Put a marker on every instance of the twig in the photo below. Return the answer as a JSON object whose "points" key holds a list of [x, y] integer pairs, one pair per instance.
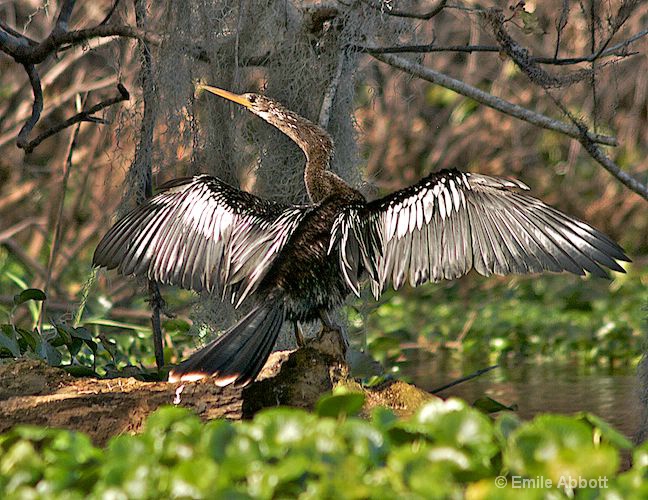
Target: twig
{"points": [[628, 180], [560, 25], [58, 223], [623, 14], [595, 152], [27, 260], [17, 228], [110, 13], [29, 53], [68, 305], [331, 91], [545, 80], [490, 100], [37, 106], [16, 34], [83, 116], [495, 20], [17, 194], [461, 380], [144, 147]]}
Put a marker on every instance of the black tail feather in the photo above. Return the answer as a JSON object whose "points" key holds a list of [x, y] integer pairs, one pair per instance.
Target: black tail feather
{"points": [[238, 355]]}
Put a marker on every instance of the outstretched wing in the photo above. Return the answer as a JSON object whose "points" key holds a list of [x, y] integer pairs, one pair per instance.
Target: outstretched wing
{"points": [[200, 233], [452, 222]]}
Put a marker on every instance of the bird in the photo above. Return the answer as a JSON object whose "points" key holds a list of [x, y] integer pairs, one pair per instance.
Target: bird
{"points": [[297, 263]]}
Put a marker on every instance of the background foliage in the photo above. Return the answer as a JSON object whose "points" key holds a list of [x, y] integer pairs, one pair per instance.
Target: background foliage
{"points": [[405, 128], [57, 201]]}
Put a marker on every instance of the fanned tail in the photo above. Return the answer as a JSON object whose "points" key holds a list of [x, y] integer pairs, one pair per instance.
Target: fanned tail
{"points": [[238, 355]]}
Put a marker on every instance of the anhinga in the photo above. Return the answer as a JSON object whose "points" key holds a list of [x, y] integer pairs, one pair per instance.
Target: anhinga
{"points": [[297, 262]]}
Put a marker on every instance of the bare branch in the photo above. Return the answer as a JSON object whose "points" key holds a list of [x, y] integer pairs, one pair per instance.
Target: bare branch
{"points": [[15, 229], [490, 100], [11, 43], [405, 13], [619, 49], [29, 53], [54, 42], [560, 25], [58, 223], [63, 18], [110, 13], [4, 26], [494, 19], [331, 91], [606, 162], [424, 49], [595, 152], [83, 116], [623, 14], [37, 106], [546, 80], [461, 380], [143, 155], [18, 251]]}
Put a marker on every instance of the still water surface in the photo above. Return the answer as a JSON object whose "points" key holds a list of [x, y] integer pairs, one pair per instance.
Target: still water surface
{"points": [[537, 388]]}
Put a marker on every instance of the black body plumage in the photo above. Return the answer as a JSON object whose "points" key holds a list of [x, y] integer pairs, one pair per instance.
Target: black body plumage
{"points": [[298, 262]]}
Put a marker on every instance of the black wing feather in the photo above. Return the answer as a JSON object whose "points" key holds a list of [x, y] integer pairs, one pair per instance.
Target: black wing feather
{"points": [[452, 222], [202, 234]]}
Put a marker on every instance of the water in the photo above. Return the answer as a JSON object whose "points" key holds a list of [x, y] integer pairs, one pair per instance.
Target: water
{"points": [[537, 388]]}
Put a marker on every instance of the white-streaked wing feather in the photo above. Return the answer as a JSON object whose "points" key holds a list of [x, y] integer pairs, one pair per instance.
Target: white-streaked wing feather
{"points": [[452, 222], [201, 234]]}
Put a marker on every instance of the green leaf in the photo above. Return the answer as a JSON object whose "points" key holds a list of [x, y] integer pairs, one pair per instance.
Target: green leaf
{"points": [[608, 432], [65, 333], [81, 333], [79, 371], [30, 338], [29, 294], [505, 425], [177, 324], [558, 446], [92, 345], [489, 405], [8, 340], [336, 405], [531, 23], [74, 347], [48, 352], [118, 324]]}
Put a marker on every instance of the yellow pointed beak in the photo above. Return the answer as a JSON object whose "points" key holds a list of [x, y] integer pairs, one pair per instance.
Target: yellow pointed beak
{"points": [[238, 99]]}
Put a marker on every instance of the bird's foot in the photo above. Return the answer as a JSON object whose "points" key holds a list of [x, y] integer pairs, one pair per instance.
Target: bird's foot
{"points": [[331, 339]]}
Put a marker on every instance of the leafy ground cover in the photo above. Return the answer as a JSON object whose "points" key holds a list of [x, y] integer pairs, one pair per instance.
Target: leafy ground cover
{"points": [[447, 450], [557, 317]]}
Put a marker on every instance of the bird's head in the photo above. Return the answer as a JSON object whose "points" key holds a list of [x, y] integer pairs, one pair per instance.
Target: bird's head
{"points": [[308, 136], [256, 103]]}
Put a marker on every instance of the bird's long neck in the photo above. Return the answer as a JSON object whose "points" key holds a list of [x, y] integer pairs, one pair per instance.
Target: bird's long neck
{"points": [[319, 180], [317, 146]]}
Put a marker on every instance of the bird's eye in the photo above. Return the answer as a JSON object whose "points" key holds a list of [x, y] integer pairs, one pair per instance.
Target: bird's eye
{"points": [[252, 98]]}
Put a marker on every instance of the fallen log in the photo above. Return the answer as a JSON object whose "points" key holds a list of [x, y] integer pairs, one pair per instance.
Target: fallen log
{"points": [[31, 392]]}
